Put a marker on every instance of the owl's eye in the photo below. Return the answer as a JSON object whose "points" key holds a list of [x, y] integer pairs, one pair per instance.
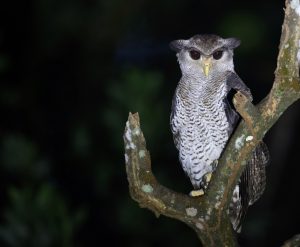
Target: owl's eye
{"points": [[217, 55], [195, 54]]}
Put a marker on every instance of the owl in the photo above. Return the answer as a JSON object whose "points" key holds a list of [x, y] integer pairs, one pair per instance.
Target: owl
{"points": [[202, 119]]}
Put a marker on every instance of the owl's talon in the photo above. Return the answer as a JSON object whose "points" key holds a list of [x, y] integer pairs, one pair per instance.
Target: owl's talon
{"points": [[206, 179], [195, 193]]}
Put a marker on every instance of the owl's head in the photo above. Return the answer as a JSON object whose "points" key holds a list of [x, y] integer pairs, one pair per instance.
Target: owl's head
{"points": [[205, 55]]}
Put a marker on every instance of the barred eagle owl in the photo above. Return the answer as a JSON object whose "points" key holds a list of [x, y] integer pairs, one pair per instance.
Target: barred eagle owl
{"points": [[202, 118]]}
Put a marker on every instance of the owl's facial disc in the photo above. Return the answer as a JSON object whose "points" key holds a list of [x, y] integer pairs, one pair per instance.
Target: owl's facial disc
{"points": [[206, 63]]}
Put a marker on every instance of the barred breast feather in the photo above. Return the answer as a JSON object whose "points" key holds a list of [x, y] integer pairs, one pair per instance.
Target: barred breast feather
{"points": [[202, 121], [199, 125]]}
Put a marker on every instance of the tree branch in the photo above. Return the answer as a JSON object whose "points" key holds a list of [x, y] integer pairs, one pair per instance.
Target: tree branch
{"points": [[293, 242], [207, 214], [144, 188]]}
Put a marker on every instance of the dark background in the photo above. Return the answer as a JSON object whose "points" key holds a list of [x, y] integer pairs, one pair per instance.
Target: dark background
{"points": [[70, 71]]}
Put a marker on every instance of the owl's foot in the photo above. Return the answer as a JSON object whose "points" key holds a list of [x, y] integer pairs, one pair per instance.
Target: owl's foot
{"points": [[195, 193], [204, 184], [206, 179]]}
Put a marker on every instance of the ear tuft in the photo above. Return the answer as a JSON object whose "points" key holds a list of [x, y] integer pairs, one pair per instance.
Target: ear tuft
{"points": [[178, 45], [232, 43]]}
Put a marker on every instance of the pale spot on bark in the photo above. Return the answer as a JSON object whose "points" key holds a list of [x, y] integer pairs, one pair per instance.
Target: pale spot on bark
{"points": [[298, 53], [217, 205], [191, 212], [132, 145], [295, 5], [128, 137], [209, 211], [249, 138], [239, 142], [199, 226], [147, 188], [136, 131], [142, 154]]}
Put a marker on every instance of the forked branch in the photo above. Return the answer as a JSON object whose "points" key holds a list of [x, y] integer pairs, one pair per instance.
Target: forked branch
{"points": [[207, 214]]}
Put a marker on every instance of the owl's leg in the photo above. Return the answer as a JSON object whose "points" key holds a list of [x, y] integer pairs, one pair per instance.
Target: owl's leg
{"points": [[235, 82], [203, 185], [205, 182], [206, 179]]}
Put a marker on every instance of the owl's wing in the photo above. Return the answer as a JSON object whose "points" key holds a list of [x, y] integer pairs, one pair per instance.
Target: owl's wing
{"points": [[235, 82], [232, 116], [253, 181], [172, 122]]}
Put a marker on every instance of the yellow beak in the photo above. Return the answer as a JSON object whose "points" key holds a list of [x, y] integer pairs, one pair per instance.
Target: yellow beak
{"points": [[206, 64]]}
